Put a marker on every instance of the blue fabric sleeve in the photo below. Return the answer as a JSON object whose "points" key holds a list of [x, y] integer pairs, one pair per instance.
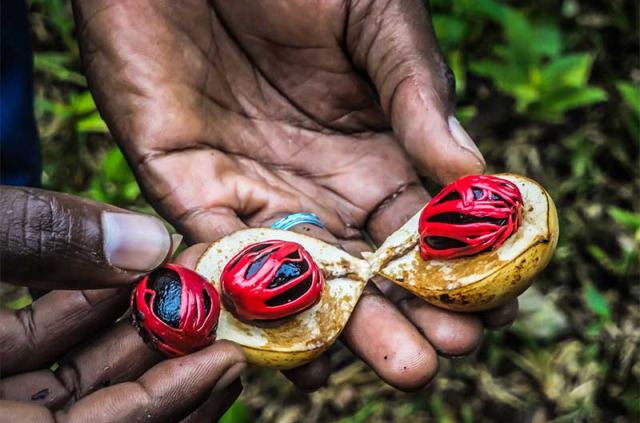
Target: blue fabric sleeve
{"points": [[20, 160]]}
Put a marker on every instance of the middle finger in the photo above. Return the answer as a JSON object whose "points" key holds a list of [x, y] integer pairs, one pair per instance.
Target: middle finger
{"points": [[54, 324], [117, 356], [449, 332], [376, 331]]}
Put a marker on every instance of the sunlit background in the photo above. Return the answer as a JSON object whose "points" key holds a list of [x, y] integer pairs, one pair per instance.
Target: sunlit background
{"points": [[549, 89]]}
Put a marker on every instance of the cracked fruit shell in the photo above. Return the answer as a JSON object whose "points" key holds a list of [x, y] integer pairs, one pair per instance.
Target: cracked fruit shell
{"points": [[298, 339], [483, 281]]}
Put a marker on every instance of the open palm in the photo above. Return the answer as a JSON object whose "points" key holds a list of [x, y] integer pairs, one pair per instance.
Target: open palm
{"points": [[233, 113]]}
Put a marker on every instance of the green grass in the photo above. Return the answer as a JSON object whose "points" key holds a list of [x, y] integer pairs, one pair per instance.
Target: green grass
{"points": [[563, 110]]}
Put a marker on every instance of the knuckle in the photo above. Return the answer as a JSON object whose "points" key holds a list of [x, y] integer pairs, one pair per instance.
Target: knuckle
{"points": [[450, 81], [445, 83], [141, 395], [26, 318], [69, 376], [44, 223]]}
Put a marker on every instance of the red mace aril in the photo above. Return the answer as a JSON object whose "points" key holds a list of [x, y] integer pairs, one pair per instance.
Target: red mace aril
{"points": [[175, 310], [469, 216], [270, 280]]}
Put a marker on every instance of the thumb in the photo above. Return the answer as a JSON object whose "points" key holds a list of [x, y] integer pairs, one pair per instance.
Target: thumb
{"points": [[395, 43], [57, 241]]}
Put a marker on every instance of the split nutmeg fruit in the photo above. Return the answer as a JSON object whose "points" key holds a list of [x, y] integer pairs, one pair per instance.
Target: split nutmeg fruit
{"points": [[286, 297]]}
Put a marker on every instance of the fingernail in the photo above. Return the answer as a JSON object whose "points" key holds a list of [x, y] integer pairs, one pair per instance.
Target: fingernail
{"points": [[135, 242], [463, 139], [229, 376], [176, 240]]}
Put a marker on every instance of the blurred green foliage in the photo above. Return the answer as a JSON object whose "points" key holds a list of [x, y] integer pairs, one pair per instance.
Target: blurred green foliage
{"points": [[529, 64], [549, 89]]}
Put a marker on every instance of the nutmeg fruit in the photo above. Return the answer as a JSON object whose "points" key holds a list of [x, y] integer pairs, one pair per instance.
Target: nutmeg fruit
{"points": [[175, 310], [300, 337], [498, 233], [489, 278]]}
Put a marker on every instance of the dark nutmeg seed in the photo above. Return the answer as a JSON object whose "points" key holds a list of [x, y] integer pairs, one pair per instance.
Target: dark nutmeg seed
{"points": [[175, 310]]}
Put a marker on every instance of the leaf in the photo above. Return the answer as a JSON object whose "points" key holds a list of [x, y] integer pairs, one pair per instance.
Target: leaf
{"points": [[572, 70], [506, 76], [595, 301], [552, 105], [237, 413], [57, 14], [56, 108], [631, 95], [92, 123], [465, 114], [503, 52], [622, 267], [519, 35], [364, 413], [131, 191], [115, 168], [19, 303], [491, 9], [450, 31], [459, 72], [628, 219], [547, 40], [525, 94], [54, 64], [82, 103]]}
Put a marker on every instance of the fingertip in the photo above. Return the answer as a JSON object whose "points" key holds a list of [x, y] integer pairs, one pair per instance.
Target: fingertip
{"points": [[448, 160], [451, 334], [437, 144], [134, 241], [413, 369], [230, 351], [224, 357], [311, 376], [501, 317], [379, 334], [190, 256]]}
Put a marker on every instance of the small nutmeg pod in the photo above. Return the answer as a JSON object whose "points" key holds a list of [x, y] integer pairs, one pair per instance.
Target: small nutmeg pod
{"points": [[476, 245], [285, 296], [175, 310]]}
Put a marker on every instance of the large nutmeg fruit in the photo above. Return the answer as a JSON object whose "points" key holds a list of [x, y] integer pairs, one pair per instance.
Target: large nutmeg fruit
{"points": [[487, 247]]}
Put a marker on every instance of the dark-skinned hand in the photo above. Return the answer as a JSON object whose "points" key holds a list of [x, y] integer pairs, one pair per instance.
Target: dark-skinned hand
{"points": [[232, 113], [106, 373]]}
